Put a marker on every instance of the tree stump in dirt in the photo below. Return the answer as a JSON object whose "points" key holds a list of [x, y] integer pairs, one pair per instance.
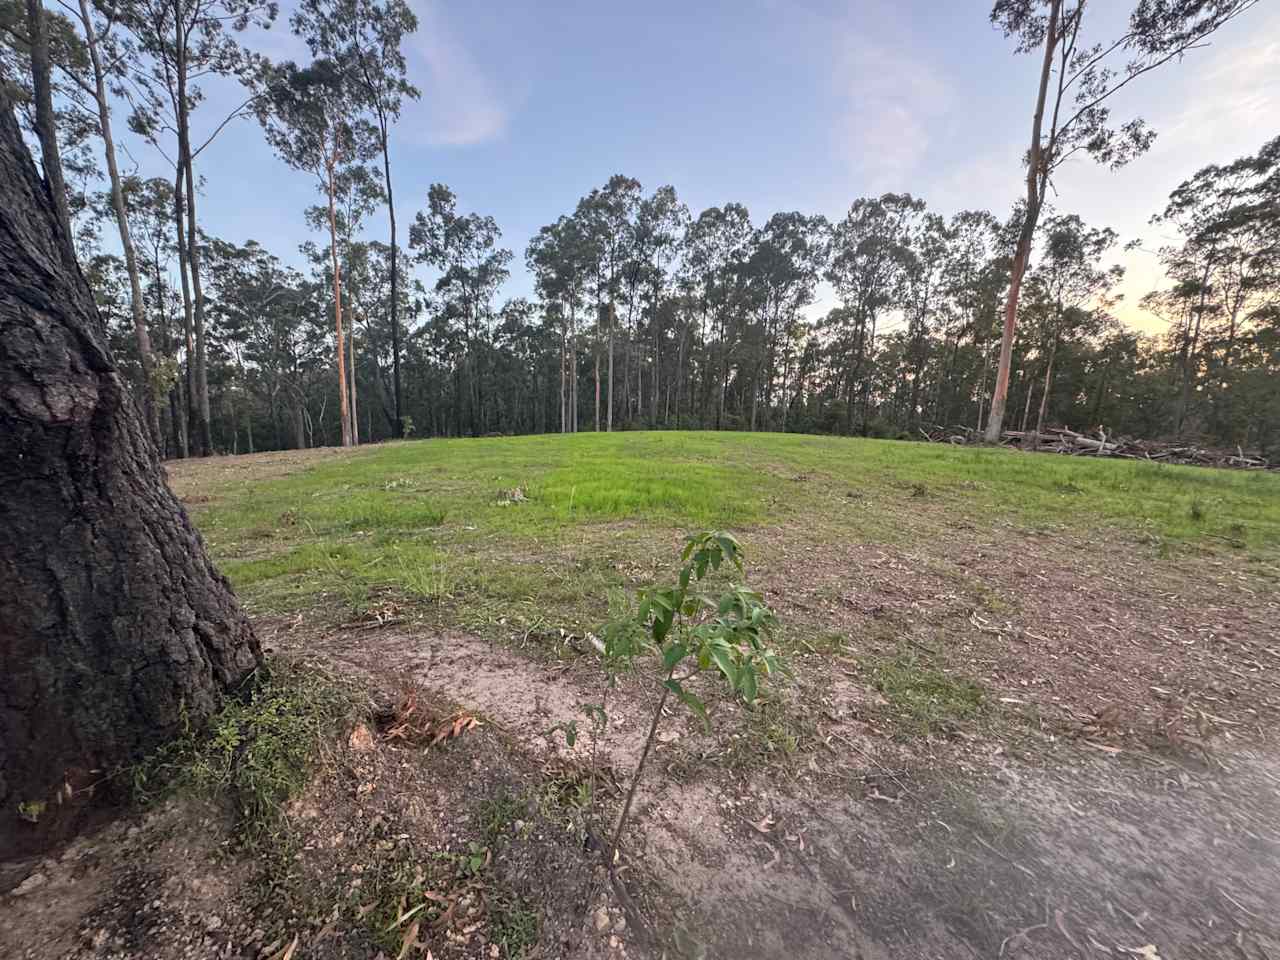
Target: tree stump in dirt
{"points": [[113, 621]]}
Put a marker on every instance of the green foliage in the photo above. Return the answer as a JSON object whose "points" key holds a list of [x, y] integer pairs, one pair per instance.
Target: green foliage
{"points": [[256, 752], [696, 631]]}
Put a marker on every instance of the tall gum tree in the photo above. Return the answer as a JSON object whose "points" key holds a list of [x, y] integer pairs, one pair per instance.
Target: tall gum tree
{"points": [[1071, 115], [311, 116], [366, 37]]}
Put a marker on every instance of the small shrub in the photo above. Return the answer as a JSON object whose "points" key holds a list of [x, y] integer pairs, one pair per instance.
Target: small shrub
{"points": [[695, 633]]}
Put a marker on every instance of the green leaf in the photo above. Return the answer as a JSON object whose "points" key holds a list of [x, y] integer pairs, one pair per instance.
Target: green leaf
{"points": [[687, 698], [748, 682], [672, 655], [724, 660]]}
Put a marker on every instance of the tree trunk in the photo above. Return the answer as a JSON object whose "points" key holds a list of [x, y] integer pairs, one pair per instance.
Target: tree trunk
{"points": [[43, 91], [337, 315], [609, 415], [351, 359], [204, 437], [1035, 192], [398, 431], [138, 308], [114, 624], [1044, 396]]}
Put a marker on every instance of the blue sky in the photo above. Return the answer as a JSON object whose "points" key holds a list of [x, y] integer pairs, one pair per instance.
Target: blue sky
{"points": [[796, 105]]}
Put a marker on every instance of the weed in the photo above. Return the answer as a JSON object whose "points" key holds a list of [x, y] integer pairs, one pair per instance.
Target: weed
{"points": [[513, 927], [497, 813], [256, 752], [430, 582], [1197, 511]]}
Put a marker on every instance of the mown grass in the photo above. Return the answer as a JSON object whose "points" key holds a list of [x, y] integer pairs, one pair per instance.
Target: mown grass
{"points": [[435, 522]]}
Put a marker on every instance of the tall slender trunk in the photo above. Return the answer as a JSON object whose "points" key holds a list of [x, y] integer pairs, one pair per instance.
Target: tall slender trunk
{"points": [[596, 353], [339, 339], [982, 384], [1189, 344], [1036, 179], [351, 385], [204, 435], [137, 307], [50, 158], [1044, 396], [394, 312], [564, 380], [612, 323], [188, 372], [657, 361]]}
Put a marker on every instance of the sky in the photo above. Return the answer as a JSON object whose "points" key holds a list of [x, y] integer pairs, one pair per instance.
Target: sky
{"points": [[793, 105]]}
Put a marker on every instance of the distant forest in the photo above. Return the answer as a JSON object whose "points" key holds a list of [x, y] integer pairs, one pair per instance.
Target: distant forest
{"points": [[646, 314]]}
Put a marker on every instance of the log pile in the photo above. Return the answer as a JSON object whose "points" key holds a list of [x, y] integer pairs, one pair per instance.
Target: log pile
{"points": [[1063, 440]]}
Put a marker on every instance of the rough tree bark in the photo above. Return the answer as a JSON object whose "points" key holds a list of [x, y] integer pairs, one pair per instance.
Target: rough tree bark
{"points": [[112, 618]]}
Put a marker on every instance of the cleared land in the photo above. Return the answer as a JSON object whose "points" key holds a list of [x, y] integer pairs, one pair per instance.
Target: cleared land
{"points": [[1032, 712]]}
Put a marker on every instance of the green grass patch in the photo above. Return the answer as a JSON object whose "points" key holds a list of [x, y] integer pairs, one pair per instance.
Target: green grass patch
{"points": [[927, 699], [433, 521]]}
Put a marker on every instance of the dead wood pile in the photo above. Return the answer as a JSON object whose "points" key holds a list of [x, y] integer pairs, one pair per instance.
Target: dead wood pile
{"points": [[1063, 440]]}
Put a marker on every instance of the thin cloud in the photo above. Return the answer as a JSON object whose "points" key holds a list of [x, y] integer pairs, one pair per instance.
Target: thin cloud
{"points": [[892, 102], [459, 106]]}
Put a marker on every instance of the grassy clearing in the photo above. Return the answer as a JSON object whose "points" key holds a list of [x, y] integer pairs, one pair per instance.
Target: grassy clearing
{"points": [[436, 523]]}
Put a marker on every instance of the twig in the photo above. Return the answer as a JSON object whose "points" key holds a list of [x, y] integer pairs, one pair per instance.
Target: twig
{"points": [[1006, 857]]}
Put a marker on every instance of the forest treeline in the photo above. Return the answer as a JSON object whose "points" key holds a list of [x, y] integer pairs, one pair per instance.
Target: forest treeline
{"points": [[646, 314]]}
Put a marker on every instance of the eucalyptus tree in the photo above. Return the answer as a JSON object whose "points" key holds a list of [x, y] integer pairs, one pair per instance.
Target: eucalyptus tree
{"points": [[717, 248], [464, 248], [661, 221], [118, 630], [108, 55], [312, 119], [185, 42], [1228, 263], [559, 258], [868, 248], [922, 300], [367, 38], [607, 221], [1072, 114], [975, 277], [788, 256], [1071, 277]]}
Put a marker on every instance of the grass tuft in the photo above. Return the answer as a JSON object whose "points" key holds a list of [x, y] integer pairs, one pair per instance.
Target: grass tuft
{"points": [[256, 753], [930, 700]]}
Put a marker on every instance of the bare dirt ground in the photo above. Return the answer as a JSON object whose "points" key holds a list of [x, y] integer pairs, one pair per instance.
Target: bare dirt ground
{"points": [[1120, 797]]}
